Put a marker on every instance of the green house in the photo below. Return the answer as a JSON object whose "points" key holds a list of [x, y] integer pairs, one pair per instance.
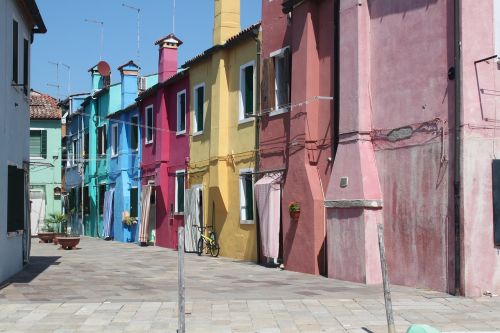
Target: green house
{"points": [[45, 159]]}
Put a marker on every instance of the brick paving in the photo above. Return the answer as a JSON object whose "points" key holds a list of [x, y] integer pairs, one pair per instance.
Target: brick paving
{"points": [[115, 287]]}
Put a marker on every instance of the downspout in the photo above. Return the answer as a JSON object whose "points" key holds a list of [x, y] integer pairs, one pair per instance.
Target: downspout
{"points": [[336, 77], [458, 143], [257, 125]]}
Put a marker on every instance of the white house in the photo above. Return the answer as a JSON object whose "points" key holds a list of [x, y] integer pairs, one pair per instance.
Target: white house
{"points": [[20, 20]]}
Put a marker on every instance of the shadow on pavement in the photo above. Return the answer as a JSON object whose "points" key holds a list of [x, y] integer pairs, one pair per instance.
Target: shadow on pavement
{"points": [[37, 265]]}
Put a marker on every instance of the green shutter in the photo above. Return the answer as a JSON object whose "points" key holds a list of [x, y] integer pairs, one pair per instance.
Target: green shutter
{"points": [[180, 193], [35, 143], [249, 196], [248, 90], [199, 112], [182, 112], [43, 150], [15, 199]]}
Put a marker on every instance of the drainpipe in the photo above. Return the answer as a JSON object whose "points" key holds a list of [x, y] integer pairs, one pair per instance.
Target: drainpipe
{"points": [[458, 143], [257, 124], [336, 77]]}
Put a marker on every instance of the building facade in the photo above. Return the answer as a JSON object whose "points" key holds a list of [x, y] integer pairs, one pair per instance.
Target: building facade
{"points": [[45, 159], [296, 124], [222, 145], [20, 21]]}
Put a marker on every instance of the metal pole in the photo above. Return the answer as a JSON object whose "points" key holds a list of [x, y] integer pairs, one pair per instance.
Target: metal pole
{"points": [[182, 299], [387, 290]]}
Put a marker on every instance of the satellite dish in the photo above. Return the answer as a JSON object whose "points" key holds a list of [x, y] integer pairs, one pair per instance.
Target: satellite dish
{"points": [[103, 68]]}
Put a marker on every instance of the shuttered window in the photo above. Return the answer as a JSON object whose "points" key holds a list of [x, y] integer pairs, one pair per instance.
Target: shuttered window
{"points": [[134, 133], [199, 97], [246, 196], [15, 51], [102, 192], [246, 91], [181, 112], [15, 199], [114, 140], [134, 201], [275, 88], [101, 140], [180, 177], [149, 124], [38, 143]]}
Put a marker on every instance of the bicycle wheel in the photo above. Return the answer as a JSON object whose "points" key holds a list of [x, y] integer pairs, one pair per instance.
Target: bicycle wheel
{"points": [[199, 249], [214, 249]]}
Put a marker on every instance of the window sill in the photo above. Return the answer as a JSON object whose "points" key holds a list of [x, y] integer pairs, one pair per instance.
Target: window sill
{"points": [[180, 133], [114, 156], [246, 222], [148, 143], [36, 158], [278, 112], [245, 121], [12, 234], [179, 213], [198, 133]]}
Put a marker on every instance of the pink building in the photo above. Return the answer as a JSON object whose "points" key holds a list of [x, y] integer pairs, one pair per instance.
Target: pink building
{"points": [[165, 144], [417, 132], [295, 144]]}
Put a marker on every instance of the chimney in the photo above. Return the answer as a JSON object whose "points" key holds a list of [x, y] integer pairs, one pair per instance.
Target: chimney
{"points": [[226, 20], [97, 79], [168, 56], [129, 73]]}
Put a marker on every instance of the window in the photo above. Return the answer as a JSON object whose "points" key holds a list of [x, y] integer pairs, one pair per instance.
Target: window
{"points": [[86, 201], [134, 199], [276, 86], [199, 98], [15, 51], [180, 177], [246, 91], [134, 133], [15, 199], [38, 143], [149, 124], [246, 195], [69, 161], [181, 112], [101, 140], [26, 69], [76, 153], [102, 192], [114, 140], [86, 145]]}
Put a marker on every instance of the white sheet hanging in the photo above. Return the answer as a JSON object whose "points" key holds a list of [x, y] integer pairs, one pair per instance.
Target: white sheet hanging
{"points": [[192, 217], [267, 196]]}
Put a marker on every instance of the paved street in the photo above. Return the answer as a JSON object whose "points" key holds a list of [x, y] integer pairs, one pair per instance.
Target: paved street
{"points": [[114, 287]]}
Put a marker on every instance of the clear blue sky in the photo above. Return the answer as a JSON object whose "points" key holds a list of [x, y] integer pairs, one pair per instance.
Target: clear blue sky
{"points": [[72, 41]]}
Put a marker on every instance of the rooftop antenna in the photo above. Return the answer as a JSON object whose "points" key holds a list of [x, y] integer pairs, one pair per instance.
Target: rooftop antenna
{"points": [[173, 19], [69, 77], [101, 24], [57, 78], [138, 10]]}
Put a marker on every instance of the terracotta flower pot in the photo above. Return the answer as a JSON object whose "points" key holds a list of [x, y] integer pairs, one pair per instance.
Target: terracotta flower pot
{"points": [[46, 237], [295, 215], [56, 236], [68, 243]]}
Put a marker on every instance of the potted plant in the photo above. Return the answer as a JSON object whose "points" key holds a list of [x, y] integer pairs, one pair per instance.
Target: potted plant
{"points": [[56, 223], [51, 225], [294, 209], [130, 223], [66, 241]]}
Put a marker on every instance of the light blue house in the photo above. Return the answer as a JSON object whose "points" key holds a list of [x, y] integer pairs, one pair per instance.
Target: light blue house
{"points": [[124, 157]]}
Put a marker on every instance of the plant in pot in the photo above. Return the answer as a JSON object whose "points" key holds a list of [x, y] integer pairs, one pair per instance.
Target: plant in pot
{"points": [[51, 225], [130, 223], [66, 241], [57, 223], [294, 209]]}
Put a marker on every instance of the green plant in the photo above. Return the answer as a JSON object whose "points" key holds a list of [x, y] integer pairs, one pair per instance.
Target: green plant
{"points": [[55, 221], [294, 207], [129, 220]]}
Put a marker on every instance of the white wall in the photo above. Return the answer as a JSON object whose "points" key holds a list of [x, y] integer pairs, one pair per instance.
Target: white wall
{"points": [[14, 131]]}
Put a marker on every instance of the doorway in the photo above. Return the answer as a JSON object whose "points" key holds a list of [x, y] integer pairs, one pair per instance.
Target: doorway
{"points": [[37, 216]]}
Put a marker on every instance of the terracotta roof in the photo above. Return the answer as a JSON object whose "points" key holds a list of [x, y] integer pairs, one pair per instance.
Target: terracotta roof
{"points": [[242, 35], [43, 106]]}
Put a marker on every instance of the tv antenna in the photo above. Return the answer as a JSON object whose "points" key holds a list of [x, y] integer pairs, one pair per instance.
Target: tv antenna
{"points": [[173, 18], [138, 10], [69, 77], [101, 25], [57, 78]]}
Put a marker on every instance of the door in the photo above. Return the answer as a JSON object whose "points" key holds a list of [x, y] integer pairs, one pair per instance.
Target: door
{"points": [[193, 212], [37, 198]]}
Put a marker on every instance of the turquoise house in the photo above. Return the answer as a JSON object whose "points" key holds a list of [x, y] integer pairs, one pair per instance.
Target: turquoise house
{"points": [[45, 159]]}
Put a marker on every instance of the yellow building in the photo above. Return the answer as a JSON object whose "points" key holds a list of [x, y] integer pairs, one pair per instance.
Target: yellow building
{"points": [[222, 147]]}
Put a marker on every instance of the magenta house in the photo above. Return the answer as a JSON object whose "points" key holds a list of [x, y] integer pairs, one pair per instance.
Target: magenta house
{"points": [[295, 127], [165, 149], [416, 151]]}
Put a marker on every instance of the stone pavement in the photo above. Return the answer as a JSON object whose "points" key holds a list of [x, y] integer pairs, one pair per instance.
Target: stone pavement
{"points": [[114, 287]]}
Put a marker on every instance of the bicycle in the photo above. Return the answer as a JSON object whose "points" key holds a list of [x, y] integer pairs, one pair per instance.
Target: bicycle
{"points": [[211, 242]]}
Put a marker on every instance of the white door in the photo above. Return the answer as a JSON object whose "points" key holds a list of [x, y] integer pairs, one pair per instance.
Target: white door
{"points": [[193, 216], [37, 217]]}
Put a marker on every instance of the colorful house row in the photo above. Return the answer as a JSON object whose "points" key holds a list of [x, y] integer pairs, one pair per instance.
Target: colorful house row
{"points": [[331, 106]]}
